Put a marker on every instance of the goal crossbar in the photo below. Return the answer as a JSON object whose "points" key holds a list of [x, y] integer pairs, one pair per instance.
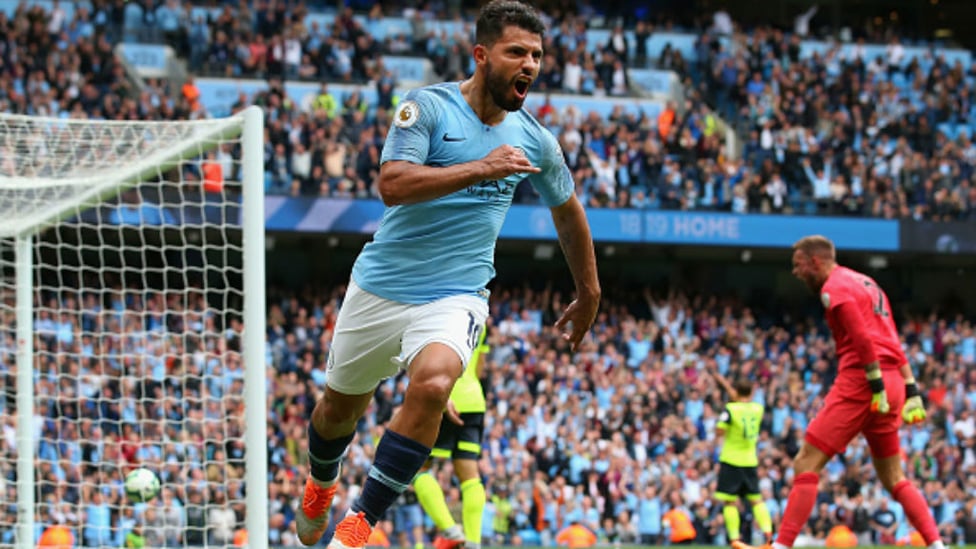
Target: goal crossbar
{"points": [[92, 185]]}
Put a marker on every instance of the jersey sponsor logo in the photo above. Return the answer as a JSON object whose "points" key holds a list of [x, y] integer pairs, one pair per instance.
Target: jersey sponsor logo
{"points": [[493, 189], [825, 299], [406, 114]]}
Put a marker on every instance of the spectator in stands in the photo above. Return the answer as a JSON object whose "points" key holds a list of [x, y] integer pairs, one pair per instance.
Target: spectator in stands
{"points": [[527, 362], [886, 134], [861, 182]]}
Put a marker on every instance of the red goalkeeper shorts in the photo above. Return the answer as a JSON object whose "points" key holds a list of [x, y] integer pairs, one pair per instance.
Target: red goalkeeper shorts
{"points": [[842, 418]]}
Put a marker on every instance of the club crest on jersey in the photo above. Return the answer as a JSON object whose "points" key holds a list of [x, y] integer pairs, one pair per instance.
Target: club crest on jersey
{"points": [[825, 299], [406, 114]]}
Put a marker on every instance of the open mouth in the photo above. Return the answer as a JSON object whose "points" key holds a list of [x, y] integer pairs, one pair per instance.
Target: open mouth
{"points": [[522, 87]]}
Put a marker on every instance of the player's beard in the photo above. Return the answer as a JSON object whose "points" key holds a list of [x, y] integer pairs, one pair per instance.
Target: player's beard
{"points": [[812, 283], [502, 90]]}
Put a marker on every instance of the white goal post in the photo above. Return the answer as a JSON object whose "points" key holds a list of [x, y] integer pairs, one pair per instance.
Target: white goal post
{"points": [[132, 329]]}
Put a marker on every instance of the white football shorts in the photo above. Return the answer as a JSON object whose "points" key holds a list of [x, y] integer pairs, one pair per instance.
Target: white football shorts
{"points": [[375, 338]]}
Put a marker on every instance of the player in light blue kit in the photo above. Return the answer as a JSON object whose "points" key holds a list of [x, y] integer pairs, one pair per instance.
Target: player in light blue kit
{"points": [[417, 298]]}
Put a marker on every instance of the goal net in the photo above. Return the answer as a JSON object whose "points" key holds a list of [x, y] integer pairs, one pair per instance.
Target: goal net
{"points": [[132, 330]]}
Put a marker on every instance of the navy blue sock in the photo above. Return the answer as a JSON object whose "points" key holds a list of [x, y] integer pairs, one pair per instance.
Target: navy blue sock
{"points": [[397, 460], [324, 456]]}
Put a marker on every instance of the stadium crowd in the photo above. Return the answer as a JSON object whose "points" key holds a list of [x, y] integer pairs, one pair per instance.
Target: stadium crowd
{"points": [[824, 134], [884, 136], [613, 438], [618, 438]]}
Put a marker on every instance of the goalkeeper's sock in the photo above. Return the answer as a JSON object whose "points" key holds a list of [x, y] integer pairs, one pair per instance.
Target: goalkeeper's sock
{"points": [[800, 504], [916, 510], [732, 521], [324, 456], [431, 498], [763, 519], [472, 508]]}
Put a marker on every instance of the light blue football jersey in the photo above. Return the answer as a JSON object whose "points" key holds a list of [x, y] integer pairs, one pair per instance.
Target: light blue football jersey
{"points": [[431, 250]]}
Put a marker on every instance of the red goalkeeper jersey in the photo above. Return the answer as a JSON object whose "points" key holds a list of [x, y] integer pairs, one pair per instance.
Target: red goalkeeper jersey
{"points": [[861, 322]]}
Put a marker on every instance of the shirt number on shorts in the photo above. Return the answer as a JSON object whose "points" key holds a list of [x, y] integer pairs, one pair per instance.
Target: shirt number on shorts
{"points": [[474, 331]]}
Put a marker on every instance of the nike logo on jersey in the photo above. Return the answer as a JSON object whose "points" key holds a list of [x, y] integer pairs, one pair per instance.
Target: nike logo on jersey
{"points": [[449, 139]]}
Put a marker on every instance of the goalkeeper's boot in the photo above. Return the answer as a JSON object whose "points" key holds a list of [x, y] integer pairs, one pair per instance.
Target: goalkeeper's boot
{"points": [[312, 517], [352, 532]]}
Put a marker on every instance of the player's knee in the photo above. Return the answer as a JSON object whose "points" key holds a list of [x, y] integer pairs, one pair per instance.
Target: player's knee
{"points": [[432, 389], [801, 466], [810, 459], [801, 463], [888, 468], [466, 469], [890, 479]]}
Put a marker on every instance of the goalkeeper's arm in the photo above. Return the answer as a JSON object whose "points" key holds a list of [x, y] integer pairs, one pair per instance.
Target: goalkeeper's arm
{"points": [[849, 317], [914, 409]]}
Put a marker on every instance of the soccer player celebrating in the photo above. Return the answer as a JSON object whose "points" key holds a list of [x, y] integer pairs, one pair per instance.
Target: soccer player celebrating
{"points": [[460, 440], [874, 381], [417, 298], [737, 474]]}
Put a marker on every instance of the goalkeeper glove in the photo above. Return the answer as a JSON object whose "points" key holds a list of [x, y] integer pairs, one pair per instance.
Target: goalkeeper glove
{"points": [[914, 410], [879, 398], [879, 402]]}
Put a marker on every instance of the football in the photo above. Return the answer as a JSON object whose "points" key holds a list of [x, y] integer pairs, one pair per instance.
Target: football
{"points": [[141, 485]]}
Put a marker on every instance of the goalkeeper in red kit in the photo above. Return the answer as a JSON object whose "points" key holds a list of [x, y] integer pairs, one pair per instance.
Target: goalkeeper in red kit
{"points": [[874, 391]]}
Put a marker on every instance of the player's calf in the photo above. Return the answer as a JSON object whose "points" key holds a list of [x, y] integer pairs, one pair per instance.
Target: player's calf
{"points": [[325, 457], [918, 512]]}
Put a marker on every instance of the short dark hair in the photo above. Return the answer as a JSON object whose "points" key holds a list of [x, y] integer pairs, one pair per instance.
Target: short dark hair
{"points": [[498, 14], [742, 386]]}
